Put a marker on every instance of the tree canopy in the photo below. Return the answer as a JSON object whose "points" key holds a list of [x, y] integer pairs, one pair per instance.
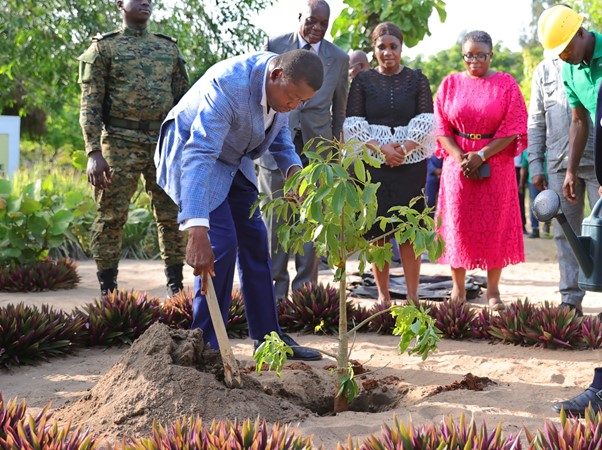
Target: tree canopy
{"points": [[351, 30], [40, 41]]}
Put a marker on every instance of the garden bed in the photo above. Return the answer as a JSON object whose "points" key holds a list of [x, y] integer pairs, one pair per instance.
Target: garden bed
{"points": [[527, 379]]}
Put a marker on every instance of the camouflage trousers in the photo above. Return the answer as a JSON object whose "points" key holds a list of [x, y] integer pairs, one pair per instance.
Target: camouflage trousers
{"points": [[128, 160]]}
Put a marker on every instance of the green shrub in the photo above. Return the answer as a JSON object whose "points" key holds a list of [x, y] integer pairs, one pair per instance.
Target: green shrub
{"points": [[39, 276], [191, 434], [32, 222], [29, 334], [71, 187]]}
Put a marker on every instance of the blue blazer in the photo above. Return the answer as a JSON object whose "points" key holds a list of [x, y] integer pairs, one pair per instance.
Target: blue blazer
{"points": [[204, 138]]}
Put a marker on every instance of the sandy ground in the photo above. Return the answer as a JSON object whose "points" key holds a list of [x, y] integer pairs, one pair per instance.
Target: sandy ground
{"points": [[528, 379]]}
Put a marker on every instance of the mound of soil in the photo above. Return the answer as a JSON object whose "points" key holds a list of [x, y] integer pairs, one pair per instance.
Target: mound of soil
{"points": [[470, 382], [167, 374]]}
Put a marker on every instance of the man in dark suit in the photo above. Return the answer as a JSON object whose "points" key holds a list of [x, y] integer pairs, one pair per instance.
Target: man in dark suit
{"points": [[322, 116]]}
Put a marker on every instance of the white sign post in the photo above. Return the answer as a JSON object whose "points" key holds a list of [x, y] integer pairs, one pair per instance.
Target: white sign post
{"points": [[10, 132]]}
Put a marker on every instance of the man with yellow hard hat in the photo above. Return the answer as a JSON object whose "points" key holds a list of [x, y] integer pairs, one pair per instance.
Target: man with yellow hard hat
{"points": [[561, 34]]}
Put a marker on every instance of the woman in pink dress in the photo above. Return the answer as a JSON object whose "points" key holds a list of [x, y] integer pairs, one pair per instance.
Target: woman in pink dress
{"points": [[481, 125]]}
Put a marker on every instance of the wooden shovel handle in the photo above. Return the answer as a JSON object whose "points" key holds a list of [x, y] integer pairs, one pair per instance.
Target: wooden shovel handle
{"points": [[231, 372]]}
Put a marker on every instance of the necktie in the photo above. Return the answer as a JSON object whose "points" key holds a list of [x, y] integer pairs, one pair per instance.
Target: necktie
{"points": [[307, 47]]}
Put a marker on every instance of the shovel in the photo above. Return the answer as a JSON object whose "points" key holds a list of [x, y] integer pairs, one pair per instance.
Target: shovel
{"points": [[231, 372]]}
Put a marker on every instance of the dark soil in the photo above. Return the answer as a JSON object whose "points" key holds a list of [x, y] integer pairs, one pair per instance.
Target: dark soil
{"points": [[469, 382]]}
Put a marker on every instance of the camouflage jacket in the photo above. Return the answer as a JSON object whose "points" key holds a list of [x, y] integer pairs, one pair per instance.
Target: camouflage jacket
{"points": [[130, 76]]}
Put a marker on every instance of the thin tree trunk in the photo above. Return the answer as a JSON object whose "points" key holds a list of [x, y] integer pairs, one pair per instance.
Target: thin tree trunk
{"points": [[340, 401]]}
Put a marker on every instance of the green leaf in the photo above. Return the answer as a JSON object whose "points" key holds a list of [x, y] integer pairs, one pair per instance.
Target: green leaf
{"points": [[79, 160], [273, 352], [30, 206], [348, 386], [338, 199], [5, 186]]}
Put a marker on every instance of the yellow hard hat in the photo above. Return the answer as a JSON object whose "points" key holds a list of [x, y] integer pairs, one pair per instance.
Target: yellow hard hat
{"points": [[556, 27]]}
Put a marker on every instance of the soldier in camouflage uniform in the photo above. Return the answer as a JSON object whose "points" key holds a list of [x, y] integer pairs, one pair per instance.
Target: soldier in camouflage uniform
{"points": [[130, 79]]}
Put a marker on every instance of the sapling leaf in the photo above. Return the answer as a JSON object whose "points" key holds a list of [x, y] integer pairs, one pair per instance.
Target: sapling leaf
{"points": [[413, 324], [348, 386], [273, 352]]}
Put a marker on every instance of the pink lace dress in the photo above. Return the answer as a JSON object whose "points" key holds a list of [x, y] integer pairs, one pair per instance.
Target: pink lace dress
{"points": [[480, 219]]}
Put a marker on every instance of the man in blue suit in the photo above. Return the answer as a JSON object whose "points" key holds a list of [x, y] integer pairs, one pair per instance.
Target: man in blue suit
{"points": [[238, 108]]}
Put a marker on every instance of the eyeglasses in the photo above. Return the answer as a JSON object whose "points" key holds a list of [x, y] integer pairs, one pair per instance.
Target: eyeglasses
{"points": [[480, 57]]}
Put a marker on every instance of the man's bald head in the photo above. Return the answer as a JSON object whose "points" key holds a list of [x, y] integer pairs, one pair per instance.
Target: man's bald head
{"points": [[358, 62], [313, 20]]}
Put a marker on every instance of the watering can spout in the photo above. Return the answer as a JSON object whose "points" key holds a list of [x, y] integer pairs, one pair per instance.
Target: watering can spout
{"points": [[546, 206]]}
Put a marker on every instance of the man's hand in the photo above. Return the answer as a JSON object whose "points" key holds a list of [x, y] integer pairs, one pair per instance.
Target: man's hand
{"points": [[199, 254], [393, 153], [600, 191], [98, 171], [568, 187], [539, 181]]}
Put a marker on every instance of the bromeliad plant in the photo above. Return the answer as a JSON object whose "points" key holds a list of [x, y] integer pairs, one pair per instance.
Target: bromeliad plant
{"points": [[332, 202]]}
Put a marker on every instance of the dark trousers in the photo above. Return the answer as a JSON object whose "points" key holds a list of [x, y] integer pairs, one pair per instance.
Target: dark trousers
{"points": [[235, 236]]}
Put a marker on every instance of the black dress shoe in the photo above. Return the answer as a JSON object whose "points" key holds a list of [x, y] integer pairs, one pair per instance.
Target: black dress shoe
{"points": [[578, 311], [299, 352], [534, 234], [576, 405]]}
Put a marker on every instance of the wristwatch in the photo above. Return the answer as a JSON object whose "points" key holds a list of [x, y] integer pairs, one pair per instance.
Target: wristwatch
{"points": [[481, 153]]}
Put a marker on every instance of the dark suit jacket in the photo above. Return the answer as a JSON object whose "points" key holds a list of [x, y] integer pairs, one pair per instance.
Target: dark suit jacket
{"points": [[323, 115]]}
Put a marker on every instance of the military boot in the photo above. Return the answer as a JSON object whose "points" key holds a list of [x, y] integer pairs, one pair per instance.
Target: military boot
{"points": [[108, 280], [174, 279]]}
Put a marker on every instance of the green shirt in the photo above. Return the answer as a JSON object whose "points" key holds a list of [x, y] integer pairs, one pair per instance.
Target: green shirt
{"points": [[582, 81]]}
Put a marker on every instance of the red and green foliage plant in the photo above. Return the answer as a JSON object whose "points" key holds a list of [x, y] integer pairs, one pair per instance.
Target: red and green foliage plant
{"points": [[118, 318], [454, 318], [237, 326], [447, 435], [522, 323], [591, 332], [572, 433], [481, 324], [192, 434], [381, 322], [18, 431], [313, 308], [176, 311], [45, 275], [29, 334], [11, 414]]}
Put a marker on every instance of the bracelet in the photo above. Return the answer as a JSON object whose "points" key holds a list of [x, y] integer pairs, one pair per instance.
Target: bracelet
{"points": [[481, 154]]}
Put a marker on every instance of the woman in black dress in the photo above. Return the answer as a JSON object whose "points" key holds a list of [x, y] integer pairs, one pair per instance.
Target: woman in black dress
{"points": [[390, 108]]}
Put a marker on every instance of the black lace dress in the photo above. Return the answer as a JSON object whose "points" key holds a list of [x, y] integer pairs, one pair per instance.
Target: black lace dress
{"points": [[392, 100]]}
